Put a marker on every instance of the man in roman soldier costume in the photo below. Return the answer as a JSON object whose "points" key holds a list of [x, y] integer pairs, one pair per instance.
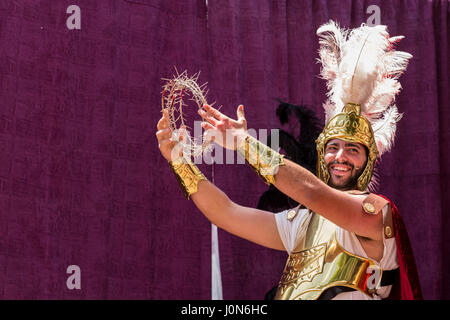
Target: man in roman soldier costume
{"points": [[343, 240]]}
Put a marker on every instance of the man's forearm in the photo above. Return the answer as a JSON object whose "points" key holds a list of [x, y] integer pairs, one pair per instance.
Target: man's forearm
{"points": [[213, 203], [298, 183], [252, 224]]}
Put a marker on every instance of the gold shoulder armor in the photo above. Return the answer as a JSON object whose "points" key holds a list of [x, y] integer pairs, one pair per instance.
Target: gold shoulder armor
{"points": [[373, 204]]}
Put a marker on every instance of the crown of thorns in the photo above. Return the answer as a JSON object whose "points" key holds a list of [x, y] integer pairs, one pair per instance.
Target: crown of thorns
{"points": [[175, 92]]}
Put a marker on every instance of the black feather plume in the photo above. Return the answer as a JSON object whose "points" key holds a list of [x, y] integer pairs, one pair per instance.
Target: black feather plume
{"points": [[300, 149]]}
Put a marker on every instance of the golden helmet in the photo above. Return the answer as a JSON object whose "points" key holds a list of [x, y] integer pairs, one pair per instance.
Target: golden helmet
{"points": [[349, 126]]}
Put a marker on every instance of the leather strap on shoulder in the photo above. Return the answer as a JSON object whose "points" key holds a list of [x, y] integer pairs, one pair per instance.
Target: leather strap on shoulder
{"points": [[373, 204]]}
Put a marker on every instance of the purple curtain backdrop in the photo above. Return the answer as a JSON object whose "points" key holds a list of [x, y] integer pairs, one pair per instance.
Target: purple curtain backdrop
{"points": [[81, 178]]}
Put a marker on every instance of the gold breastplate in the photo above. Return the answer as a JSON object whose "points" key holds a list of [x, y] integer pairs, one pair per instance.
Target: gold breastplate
{"points": [[323, 264]]}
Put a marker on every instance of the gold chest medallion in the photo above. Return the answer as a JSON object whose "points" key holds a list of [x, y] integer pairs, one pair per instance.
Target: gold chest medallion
{"points": [[323, 264]]}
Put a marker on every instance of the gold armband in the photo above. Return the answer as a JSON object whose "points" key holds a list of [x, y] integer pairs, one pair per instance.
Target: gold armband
{"points": [[263, 160], [187, 174]]}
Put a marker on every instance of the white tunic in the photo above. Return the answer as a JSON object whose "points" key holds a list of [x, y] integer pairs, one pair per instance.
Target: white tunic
{"points": [[292, 231]]}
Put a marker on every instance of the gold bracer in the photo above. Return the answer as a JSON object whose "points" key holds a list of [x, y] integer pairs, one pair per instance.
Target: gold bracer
{"points": [[263, 160], [187, 174]]}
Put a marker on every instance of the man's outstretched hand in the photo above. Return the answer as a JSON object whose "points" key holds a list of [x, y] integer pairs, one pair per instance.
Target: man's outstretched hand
{"points": [[168, 143], [222, 129]]}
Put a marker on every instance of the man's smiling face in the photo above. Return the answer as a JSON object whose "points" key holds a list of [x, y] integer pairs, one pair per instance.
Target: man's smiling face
{"points": [[345, 162]]}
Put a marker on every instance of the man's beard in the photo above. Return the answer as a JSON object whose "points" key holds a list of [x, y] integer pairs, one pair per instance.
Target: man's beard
{"points": [[352, 181]]}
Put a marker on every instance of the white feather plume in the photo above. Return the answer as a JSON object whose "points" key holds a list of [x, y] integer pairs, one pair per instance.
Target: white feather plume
{"points": [[330, 110], [382, 97], [362, 67], [331, 39], [396, 63], [384, 129]]}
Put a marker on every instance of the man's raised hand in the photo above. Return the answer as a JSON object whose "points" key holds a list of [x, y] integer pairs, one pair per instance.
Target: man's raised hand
{"points": [[222, 129], [168, 143]]}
